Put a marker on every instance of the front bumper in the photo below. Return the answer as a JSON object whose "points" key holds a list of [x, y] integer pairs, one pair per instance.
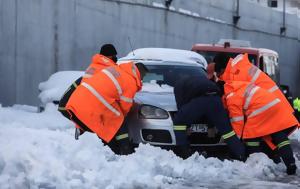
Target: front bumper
{"points": [[159, 132]]}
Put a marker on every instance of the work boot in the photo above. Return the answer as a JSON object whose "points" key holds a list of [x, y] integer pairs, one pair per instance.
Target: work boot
{"points": [[276, 159], [236, 148], [291, 169], [126, 149]]}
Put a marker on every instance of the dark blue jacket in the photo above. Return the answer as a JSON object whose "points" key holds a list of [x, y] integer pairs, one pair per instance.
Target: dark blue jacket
{"points": [[191, 87]]}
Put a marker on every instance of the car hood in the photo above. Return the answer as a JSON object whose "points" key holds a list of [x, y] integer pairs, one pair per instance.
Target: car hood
{"points": [[164, 100]]}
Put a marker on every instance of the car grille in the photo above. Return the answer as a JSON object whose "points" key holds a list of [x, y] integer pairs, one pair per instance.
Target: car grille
{"points": [[200, 138], [157, 135]]}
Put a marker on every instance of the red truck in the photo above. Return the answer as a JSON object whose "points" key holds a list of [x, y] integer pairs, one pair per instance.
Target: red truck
{"points": [[265, 59]]}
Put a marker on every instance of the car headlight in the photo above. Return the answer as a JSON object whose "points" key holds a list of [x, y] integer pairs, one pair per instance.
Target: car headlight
{"points": [[152, 112]]}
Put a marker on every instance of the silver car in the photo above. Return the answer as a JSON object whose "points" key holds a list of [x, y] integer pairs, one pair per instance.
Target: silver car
{"points": [[150, 119]]}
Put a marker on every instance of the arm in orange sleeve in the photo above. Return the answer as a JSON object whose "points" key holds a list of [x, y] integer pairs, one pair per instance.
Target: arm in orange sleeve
{"points": [[126, 101], [236, 117]]}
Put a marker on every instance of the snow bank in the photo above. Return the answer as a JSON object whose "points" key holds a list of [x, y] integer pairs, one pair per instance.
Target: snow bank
{"points": [[27, 118], [38, 150], [57, 84]]}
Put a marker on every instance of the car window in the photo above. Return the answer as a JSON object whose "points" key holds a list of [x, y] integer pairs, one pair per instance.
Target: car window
{"points": [[209, 56], [169, 74], [153, 76]]}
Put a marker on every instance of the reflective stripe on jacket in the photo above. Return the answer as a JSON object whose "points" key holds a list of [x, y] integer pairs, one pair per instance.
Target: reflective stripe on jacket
{"points": [[241, 69], [102, 101], [99, 62], [255, 110]]}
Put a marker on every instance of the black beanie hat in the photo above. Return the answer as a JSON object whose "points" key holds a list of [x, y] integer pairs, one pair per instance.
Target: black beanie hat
{"points": [[108, 50], [221, 60]]}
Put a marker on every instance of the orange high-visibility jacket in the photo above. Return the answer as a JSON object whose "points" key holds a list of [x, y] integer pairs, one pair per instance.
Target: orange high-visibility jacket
{"points": [[102, 101], [241, 69], [255, 110], [98, 63]]}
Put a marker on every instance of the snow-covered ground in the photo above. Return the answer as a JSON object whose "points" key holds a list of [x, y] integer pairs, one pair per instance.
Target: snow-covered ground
{"points": [[38, 150]]}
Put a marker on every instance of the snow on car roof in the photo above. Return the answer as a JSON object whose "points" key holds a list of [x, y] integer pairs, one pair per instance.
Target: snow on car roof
{"points": [[57, 84], [166, 54]]}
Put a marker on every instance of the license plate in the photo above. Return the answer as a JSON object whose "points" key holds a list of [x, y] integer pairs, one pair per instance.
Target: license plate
{"points": [[198, 128]]}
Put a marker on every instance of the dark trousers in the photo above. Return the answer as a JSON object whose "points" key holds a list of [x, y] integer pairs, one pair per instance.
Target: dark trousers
{"points": [[65, 98], [121, 143], [210, 108], [256, 145], [283, 150]]}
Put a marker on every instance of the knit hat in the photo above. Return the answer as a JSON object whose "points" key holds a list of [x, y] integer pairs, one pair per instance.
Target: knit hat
{"points": [[108, 50]]}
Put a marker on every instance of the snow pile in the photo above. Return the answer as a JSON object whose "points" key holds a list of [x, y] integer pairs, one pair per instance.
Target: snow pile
{"points": [[57, 84], [165, 54], [27, 117], [153, 87], [38, 150]]}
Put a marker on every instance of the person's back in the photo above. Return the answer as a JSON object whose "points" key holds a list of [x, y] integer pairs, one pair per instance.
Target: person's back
{"points": [[98, 101], [105, 58], [99, 62], [198, 97], [241, 69], [191, 87], [254, 111]]}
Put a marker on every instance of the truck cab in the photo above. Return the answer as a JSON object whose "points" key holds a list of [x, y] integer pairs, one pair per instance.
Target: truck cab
{"points": [[265, 59]]}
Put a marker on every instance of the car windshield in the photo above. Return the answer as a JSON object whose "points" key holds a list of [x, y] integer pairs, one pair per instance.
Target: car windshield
{"points": [[209, 56], [169, 74]]}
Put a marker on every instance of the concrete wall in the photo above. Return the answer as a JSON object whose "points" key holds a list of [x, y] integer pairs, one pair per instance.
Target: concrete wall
{"points": [[39, 37]]}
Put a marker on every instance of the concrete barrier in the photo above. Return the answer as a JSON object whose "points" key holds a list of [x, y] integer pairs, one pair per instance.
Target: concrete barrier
{"points": [[38, 37]]}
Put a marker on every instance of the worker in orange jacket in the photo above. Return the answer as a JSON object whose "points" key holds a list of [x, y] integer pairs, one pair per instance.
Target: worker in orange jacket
{"points": [[241, 69], [101, 102], [257, 112], [106, 57], [254, 112]]}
